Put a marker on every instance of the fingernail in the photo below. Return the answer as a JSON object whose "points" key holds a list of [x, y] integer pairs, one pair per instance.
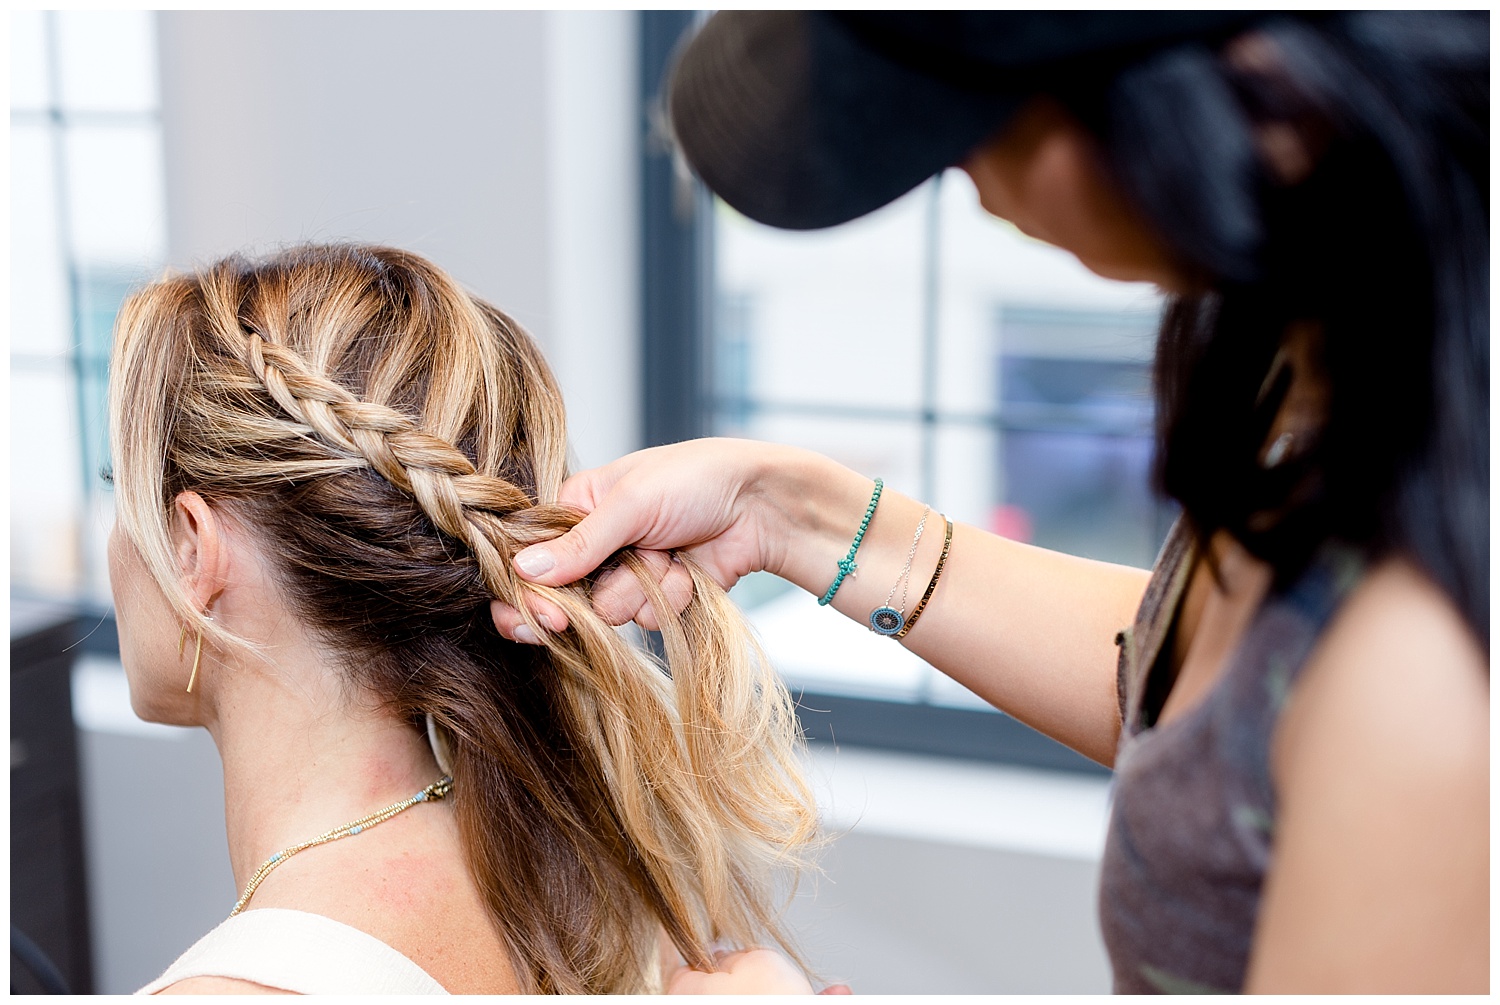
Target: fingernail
{"points": [[535, 561], [546, 622], [523, 633]]}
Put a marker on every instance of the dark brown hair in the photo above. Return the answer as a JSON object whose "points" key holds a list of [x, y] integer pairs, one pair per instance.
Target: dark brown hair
{"points": [[1370, 228]]}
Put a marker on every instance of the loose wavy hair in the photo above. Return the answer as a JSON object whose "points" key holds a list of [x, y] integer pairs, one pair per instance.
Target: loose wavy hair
{"points": [[394, 441]]}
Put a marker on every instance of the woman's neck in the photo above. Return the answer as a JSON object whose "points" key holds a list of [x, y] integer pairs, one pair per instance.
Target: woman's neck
{"points": [[299, 760]]}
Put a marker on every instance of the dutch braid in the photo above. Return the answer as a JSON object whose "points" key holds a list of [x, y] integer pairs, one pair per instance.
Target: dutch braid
{"points": [[460, 502]]}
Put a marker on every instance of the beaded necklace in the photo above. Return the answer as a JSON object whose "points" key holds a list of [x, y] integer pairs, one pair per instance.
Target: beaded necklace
{"points": [[436, 790]]}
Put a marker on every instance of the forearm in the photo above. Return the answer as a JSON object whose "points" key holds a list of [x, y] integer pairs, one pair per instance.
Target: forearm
{"points": [[1031, 631]]}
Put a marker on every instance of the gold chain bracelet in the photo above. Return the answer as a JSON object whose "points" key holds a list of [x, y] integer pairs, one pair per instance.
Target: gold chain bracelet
{"points": [[916, 612]]}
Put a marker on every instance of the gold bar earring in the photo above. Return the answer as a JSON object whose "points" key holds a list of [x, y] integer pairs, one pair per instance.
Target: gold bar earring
{"points": [[197, 655]]}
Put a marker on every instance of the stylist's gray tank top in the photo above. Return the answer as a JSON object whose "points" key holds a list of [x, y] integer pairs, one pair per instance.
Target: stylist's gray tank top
{"points": [[1193, 827]]}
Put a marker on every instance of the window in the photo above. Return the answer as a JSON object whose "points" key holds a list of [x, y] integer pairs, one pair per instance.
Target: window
{"points": [[87, 224], [931, 344]]}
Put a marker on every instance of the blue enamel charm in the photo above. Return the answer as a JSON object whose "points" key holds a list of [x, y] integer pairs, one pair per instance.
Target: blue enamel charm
{"points": [[886, 620]]}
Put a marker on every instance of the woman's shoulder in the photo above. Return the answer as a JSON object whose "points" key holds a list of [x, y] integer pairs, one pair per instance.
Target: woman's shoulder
{"points": [[1381, 769], [1401, 646], [277, 950], [218, 986], [1398, 666]]}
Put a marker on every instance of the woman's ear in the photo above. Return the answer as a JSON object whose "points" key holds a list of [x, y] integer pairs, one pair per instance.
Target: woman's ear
{"points": [[200, 547]]}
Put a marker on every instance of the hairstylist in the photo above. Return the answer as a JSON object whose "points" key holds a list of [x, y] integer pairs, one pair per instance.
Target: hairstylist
{"points": [[1295, 700]]}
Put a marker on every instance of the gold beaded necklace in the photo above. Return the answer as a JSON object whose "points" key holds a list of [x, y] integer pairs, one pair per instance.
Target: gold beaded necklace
{"points": [[436, 790]]}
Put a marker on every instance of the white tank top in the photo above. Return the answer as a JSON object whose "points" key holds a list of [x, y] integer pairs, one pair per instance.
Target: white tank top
{"points": [[299, 952]]}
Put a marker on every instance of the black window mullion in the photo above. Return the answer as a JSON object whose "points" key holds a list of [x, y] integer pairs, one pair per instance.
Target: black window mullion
{"points": [[677, 247]]}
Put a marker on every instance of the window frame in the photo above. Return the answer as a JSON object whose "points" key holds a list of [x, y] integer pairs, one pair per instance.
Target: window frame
{"points": [[94, 288], [677, 276]]}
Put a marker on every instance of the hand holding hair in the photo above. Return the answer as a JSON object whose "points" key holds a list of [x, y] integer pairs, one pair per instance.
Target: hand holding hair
{"points": [[747, 972], [720, 500]]}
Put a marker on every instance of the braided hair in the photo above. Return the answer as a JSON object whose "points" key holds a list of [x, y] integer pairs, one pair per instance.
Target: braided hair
{"points": [[394, 441]]}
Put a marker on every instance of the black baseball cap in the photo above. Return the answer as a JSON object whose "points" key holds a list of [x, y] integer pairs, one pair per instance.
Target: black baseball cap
{"points": [[805, 119]]}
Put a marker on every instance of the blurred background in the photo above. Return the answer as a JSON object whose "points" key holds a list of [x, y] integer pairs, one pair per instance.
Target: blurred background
{"points": [[524, 152]]}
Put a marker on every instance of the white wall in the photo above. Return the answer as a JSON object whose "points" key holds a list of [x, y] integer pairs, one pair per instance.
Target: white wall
{"points": [[594, 200], [153, 820], [499, 144]]}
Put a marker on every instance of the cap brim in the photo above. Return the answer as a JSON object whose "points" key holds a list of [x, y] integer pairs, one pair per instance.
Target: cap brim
{"points": [[794, 123]]}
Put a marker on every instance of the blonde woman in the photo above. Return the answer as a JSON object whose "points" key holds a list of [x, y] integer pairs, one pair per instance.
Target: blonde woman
{"points": [[325, 462]]}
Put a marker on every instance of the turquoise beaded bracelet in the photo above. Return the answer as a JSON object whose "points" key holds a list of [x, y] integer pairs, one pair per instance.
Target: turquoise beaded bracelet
{"points": [[847, 564]]}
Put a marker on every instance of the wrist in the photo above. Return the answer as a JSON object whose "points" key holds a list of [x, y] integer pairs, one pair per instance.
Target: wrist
{"points": [[813, 506]]}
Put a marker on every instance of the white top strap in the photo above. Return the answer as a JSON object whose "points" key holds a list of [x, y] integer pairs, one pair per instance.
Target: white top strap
{"points": [[301, 953]]}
